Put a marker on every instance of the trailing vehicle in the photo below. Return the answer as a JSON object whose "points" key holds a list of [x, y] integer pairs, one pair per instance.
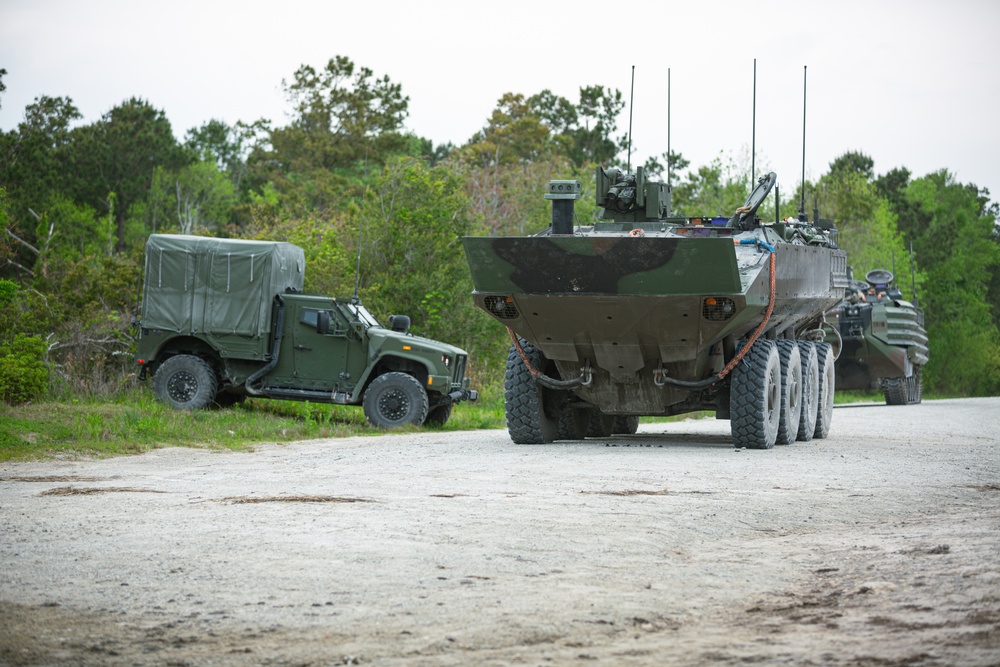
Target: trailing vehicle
{"points": [[223, 319], [883, 343], [644, 312]]}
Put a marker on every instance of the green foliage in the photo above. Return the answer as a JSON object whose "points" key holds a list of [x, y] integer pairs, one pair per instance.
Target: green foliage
{"points": [[195, 198], [119, 154], [866, 226], [68, 232], [717, 189], [960, 253], [23, 374]]}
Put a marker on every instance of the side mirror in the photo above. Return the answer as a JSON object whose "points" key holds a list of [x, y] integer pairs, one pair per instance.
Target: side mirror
{"points": [[400, 323], [323, 322]]}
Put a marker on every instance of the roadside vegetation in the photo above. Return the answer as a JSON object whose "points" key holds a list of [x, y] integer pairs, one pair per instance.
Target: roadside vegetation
{"points": [[345, 179]]}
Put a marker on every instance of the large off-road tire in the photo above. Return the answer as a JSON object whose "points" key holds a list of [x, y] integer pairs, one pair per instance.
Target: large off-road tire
{"points": [[438, 416], [810, 390], [625, 424], [791, 392], [524, 400], [185, 382], [755, 397], [395, 399], [573, 423], [601, 425], [827, 385]]}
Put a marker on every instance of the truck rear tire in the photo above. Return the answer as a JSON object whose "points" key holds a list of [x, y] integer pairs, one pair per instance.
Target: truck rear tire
{"points": [[395, 399], [185, 382]]}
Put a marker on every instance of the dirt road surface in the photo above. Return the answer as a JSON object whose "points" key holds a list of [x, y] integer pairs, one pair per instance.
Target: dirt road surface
{"points": [[877, 546]]}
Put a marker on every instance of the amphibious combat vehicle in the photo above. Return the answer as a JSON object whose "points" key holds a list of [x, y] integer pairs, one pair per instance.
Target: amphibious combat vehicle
{"points": [[643, 312], [883, 341]]}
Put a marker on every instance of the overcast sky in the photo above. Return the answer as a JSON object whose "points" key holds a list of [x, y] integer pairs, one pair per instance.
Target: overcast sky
{"points": [[910, 83]]}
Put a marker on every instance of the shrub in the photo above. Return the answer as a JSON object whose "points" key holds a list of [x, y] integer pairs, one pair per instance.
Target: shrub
{"points": [[23, 374]]}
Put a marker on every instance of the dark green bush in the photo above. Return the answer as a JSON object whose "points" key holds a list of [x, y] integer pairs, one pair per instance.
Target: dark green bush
{"points": [[23, 374]]}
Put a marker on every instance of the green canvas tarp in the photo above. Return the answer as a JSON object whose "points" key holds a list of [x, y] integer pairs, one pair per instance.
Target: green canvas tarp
{"points": [[205, 285]]}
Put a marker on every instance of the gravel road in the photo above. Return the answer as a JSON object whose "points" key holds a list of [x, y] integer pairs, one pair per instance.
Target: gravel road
{"points": [[877, 546]]}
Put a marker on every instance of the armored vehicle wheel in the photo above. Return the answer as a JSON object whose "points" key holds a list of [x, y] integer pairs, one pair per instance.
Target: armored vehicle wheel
{"points": [[528, 423], [918, 386], [790, 414], [625, 424], [755, 397], [827, 381], [395, 399], [601, 425], [185, 382], [573, 423], [439, 416], [810, 391]]}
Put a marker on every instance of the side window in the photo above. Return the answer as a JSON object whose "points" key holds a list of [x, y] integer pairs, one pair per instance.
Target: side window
{"points": [[326, 322], [309, 317]]}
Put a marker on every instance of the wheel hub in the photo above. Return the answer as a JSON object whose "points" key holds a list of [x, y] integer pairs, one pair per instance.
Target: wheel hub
{"points": [[393, 404], [182, 386]]}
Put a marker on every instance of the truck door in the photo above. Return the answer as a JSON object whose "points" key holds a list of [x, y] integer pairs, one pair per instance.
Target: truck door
{"points": [[328, 361]]}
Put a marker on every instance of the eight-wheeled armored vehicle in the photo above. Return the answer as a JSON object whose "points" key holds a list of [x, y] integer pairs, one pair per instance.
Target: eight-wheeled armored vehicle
{"points": [[222, 319], [882, 339], [643, 312]]}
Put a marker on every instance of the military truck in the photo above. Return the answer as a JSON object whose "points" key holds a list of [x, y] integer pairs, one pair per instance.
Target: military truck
{"points": [[223, 319], [645, 312], [882, 340]]}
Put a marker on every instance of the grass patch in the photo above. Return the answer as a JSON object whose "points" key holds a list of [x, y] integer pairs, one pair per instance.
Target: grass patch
{"points": [[135, 422]]}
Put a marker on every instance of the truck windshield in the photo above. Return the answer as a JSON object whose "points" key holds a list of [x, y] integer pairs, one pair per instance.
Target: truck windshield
{"points": [[362, 314]]}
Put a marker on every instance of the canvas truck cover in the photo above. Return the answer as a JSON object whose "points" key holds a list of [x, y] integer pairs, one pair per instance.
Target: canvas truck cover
{"points": [[216, 287]]}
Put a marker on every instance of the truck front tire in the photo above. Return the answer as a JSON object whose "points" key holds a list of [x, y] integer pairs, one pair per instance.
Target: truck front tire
{"points": [[395, 399], [185, 382]]}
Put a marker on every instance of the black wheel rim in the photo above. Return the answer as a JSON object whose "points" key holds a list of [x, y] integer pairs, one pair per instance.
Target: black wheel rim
{"points": [[393, 404], [182, 386]]}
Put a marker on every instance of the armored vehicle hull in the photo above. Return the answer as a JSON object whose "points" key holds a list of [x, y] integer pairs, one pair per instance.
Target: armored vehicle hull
{"points": [[652, 316], [884, 343]]}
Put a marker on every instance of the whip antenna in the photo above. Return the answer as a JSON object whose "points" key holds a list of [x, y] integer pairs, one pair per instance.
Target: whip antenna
{"points": [[802, 203], [753, 130], [668, 129], [361, 228], [631, 95]]}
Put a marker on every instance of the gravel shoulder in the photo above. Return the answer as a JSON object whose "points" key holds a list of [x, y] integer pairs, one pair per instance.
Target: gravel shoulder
{"points": [[875, 546]]}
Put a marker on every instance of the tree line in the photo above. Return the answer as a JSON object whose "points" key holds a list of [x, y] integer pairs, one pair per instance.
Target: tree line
{"points": [[345, 180]]}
